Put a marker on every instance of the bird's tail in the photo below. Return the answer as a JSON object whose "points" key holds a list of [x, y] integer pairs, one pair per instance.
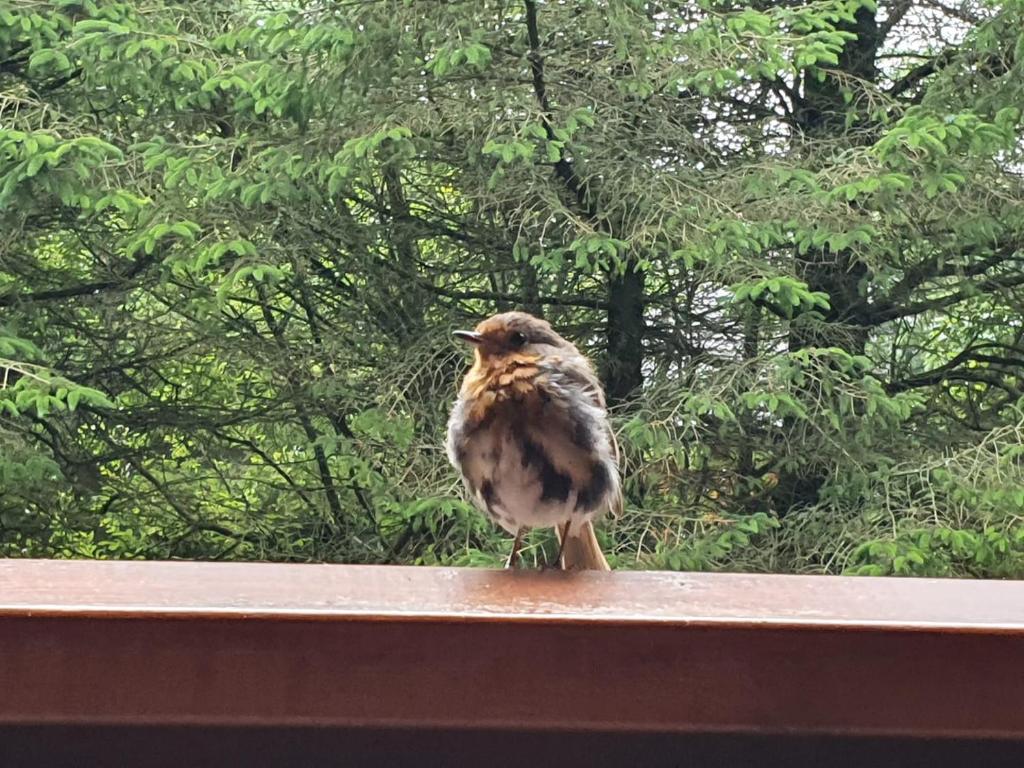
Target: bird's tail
{"points": [[581, 550]]}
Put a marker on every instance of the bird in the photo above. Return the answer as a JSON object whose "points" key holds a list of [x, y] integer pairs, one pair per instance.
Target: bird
{"points": [[529, 434]]}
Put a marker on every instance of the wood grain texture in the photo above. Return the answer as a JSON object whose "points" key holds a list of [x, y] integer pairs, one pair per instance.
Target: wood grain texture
{"points": [[398, 647]]}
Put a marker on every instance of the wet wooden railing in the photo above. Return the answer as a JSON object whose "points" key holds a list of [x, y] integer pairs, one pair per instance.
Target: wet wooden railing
{"points": [[421, 662]]}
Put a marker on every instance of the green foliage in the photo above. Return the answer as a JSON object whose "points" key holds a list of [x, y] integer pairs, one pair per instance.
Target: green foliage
{"points": [[235, 237]]}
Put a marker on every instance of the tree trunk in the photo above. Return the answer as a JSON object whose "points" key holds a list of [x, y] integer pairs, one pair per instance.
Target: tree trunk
{"points": [[407, 302], [839, 274], [623, 366], [623, 369]]}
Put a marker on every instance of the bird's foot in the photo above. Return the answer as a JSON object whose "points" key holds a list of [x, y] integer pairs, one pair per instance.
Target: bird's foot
{"points": [[553, 564]]}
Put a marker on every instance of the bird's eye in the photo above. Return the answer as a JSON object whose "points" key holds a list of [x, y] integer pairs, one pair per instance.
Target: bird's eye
{"points": [[517, 338]]}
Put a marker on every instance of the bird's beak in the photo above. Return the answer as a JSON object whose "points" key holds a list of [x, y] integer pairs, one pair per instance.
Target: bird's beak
{"points": [[470, 337]]}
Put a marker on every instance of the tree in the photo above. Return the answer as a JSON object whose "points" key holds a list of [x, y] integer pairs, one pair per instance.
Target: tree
{"points": [[238, 234]]}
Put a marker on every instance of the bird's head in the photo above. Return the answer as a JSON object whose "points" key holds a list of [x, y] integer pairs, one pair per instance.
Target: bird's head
{"points": [[513, 335]]}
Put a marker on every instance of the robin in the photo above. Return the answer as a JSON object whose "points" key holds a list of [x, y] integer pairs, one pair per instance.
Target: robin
{"points": [[530, 435]]}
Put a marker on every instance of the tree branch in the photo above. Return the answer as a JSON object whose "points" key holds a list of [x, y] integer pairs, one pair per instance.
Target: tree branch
{"points": [[83, 289], [563, 168], [887, 313], [892, 305], [551, 301], [896, 13], [920, 72]]}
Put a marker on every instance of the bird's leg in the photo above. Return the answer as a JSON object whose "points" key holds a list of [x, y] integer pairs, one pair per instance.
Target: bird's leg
{"points": [[513, 558], [564, 534]]}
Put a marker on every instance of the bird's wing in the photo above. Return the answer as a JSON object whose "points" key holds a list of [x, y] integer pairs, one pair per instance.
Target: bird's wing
{"points": [[576, 371]]}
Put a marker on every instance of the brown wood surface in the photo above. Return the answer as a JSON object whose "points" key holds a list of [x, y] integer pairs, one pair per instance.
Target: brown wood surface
{"points": [[166, 644]]}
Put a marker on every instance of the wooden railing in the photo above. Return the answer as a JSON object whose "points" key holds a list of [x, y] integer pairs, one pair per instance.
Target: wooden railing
{"points": [[471, 657]]}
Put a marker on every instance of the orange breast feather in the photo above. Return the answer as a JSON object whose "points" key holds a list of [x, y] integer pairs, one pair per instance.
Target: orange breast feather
{"points": [[511, 379]]}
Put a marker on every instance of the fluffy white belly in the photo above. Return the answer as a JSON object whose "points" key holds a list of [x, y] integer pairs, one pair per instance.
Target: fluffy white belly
{"points": [[514, 493]]}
